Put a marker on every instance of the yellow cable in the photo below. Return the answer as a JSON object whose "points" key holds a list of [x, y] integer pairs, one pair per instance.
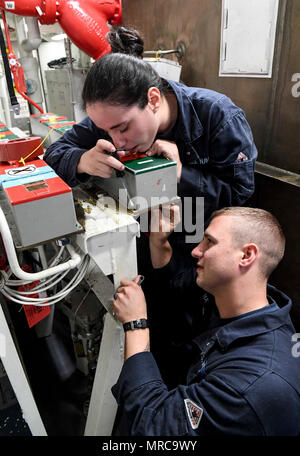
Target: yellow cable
{"points": [[157, 54], [22, 160]]}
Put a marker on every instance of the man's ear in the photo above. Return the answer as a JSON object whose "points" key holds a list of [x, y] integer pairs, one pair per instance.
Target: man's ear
{"points": [[154, 98], [249, 253]]}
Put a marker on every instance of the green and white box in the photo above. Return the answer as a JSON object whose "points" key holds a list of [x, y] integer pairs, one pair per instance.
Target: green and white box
{"points": [[150, 181]]}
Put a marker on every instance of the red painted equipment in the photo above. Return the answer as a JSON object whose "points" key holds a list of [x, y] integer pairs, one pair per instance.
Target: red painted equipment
{"points": [[84, 21], [14, 149], [34, 314], [15, 66]]}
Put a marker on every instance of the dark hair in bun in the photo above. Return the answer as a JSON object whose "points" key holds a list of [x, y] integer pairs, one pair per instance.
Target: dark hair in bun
{"points": [[121, 79], [126, 41]]}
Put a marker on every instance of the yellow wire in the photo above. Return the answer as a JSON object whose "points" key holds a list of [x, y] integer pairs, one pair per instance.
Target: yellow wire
{"points": [[157, 54], [22, 160]]}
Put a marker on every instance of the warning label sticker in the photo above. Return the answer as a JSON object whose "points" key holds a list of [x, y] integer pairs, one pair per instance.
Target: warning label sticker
{"points": [[9, 5]]}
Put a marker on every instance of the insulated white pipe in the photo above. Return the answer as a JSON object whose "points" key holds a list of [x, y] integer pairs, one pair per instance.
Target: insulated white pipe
{"points": [[34, 37], [5, 99], [13, 260]]}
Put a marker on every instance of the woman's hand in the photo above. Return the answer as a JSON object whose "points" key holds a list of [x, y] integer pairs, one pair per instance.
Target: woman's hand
{"points": [[96, 162], [167, 149]]}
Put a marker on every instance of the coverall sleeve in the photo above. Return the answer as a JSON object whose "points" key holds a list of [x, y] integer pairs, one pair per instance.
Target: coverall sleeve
{"points": [[208, 407], [227, 177], [174, 274], [64, 154]]}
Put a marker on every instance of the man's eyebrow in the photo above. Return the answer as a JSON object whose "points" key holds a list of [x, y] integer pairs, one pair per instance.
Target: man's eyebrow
{"points": [[207, 234]]}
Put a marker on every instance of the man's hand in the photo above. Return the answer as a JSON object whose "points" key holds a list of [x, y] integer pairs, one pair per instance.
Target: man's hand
{"points": [[96, 162], [169, 150], [130, 303], [163, 221]]}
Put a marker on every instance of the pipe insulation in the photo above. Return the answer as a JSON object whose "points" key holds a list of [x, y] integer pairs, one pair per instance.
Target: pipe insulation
{"points": [[34, 39]]}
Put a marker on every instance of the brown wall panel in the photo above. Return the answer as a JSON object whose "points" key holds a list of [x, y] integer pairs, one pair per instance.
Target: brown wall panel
{"points": [[272, 111], [276, 127], [284, 147]]}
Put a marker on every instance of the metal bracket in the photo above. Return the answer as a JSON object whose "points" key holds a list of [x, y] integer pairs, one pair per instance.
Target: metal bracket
{"points": [[179, 51]]}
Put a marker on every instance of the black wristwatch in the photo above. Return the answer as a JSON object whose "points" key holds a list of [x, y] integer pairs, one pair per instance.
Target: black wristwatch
{"points": [[142, 323]]}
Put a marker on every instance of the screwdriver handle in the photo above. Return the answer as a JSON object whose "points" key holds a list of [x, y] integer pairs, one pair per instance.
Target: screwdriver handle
{"points": [[116, 156]]}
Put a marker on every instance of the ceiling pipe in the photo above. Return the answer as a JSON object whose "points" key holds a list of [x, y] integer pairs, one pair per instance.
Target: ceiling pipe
{"points": [[33, 40], [84, 21]]}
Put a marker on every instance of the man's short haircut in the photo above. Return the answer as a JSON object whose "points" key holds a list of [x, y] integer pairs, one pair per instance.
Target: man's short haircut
{"points": [[260, 227]]}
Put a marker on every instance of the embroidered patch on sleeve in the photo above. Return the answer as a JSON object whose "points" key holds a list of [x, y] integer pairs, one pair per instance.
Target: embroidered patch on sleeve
{"points": [[194, 412], [242, 157]]}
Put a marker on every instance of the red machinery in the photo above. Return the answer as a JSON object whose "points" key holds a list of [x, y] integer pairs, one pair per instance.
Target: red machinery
{"points": [[84, 21], [14, 149]]}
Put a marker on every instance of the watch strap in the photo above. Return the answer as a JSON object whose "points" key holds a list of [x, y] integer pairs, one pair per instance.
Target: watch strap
{"points": [[141, 323]]}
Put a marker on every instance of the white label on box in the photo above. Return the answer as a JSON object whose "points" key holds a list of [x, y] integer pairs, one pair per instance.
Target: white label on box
{"points": [[9, 5], [21, 171]]}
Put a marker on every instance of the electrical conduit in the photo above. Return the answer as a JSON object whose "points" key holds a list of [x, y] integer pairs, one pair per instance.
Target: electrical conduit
{"points": [[13, 260]]}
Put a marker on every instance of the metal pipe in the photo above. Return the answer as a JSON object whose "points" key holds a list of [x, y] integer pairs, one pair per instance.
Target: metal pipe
{"points": [[171, 51], [34, 37], [84, 21], [70, 74], [6, 109], [179, 51]]}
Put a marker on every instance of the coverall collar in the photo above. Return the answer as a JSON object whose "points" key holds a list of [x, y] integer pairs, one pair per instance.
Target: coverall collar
{"points": [[257, 322], [188, 122]]}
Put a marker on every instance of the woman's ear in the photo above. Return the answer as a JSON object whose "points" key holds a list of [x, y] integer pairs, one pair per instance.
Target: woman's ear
{"points": [[154, 98]]}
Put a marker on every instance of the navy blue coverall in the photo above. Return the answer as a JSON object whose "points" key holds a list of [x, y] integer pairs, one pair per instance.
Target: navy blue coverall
{"points": [[243, 376], [214, 140]]}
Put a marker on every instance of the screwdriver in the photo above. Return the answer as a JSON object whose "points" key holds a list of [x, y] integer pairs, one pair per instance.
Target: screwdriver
{"points": [[116, 156], [139, 282]]}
